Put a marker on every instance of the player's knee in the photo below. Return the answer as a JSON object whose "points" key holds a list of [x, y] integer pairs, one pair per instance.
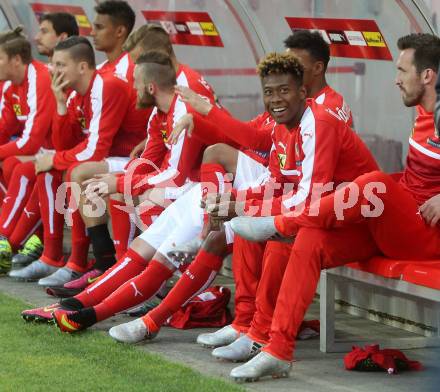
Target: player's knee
{"points": [[215, 243], [215, 153]]}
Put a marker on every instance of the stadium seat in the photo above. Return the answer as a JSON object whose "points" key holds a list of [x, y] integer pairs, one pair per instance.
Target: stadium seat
{"points": [[424, 274]]}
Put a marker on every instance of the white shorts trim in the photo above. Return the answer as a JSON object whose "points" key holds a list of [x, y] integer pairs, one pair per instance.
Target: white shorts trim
{"points": [[177, 224], [116, 164], [249, 173]]}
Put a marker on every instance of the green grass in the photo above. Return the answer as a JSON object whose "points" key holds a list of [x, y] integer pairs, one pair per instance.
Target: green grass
{"points": [[40, 358]]}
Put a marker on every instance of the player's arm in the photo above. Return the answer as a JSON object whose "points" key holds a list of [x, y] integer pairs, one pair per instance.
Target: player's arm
{"points": [[246, 134], [107, 103], [41, 106], [9, 125]]}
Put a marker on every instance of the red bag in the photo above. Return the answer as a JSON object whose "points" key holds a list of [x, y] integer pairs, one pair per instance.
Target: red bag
{"points": [[208, 309], [371, 358]]}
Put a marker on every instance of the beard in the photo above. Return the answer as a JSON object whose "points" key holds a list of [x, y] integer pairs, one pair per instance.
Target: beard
{"points": [[414, 98], [145, 101]]}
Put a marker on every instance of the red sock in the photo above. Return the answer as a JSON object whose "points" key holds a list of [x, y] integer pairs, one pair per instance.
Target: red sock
{"points": [[29, 222], [137, 290], [130, 265], [80, 244], [124, 228], [53, 221], [195, 279], [19, 189]]}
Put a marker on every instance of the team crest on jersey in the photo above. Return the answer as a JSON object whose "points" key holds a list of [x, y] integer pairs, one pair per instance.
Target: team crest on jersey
{"points": [[282, 160], [82, 122], [164, 135], [17, 109]]}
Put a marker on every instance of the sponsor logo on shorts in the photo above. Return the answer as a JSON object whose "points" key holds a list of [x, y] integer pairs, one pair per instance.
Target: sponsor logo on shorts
{"points": [[374, 38]]}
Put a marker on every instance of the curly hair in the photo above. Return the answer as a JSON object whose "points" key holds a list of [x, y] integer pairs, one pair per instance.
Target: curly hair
{"points": [[281, 63]]}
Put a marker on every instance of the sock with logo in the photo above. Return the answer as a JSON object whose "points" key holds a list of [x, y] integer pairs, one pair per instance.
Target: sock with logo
{"points": [[197, 278], [19, 190], [29, 222], [137, 290], [130, 265]]}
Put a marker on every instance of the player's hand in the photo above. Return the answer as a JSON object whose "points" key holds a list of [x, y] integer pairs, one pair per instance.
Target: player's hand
{"points": [[186, 122], [430, 211], [199, 103], [43, 163], [58, 87], [101, 185], [137, 151]]}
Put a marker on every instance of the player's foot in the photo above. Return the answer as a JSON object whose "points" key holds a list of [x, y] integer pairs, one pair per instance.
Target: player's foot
{"points": [[31, 251], [5, 256], [222, 337], [42, 315], [132, 332], [45, 313], [242, 349], [186, 253], [82, 282], [261, 365], [74, 321], [256, 229], [60, 277], [34, 271]]}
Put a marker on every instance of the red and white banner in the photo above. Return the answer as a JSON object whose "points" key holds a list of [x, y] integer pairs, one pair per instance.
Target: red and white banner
{"points": [[78, 12], [354, 38], [187, 28]]}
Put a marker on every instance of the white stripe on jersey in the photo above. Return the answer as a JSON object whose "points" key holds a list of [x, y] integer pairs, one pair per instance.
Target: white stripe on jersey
{"points": [[96, 102], [6, 85], [32, 103], [423, 150], [153, 113], [176, 150], [308, 147], [320, 99], [122, 66]]}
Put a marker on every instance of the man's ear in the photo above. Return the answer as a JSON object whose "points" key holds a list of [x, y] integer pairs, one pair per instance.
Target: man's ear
{"points": [[303, 92], [429, 76], [318, 68], [83, 66], [62, 37], [121, 31]]}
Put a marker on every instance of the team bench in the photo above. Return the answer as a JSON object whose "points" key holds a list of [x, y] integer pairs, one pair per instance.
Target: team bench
{"points": [[404, 278]]}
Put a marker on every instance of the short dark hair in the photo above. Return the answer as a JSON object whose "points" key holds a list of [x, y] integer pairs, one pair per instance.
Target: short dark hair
{"points": [[281, 63], [312, 42], [426, 49], [14, 43], [150, 37], [119, 11], [62, 22], [80, 49], [159, 68]]}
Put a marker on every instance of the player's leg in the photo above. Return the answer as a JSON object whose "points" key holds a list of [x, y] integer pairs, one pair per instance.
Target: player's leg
{"points": [[313, 250]]}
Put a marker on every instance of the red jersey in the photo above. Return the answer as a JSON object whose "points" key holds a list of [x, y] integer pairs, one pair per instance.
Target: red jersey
{"points": [[258, 145], [320, 149], [86, 132], [173, 164], [27, 111], [335, 101], [133, 127], [176, 163], [422, 173]]}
